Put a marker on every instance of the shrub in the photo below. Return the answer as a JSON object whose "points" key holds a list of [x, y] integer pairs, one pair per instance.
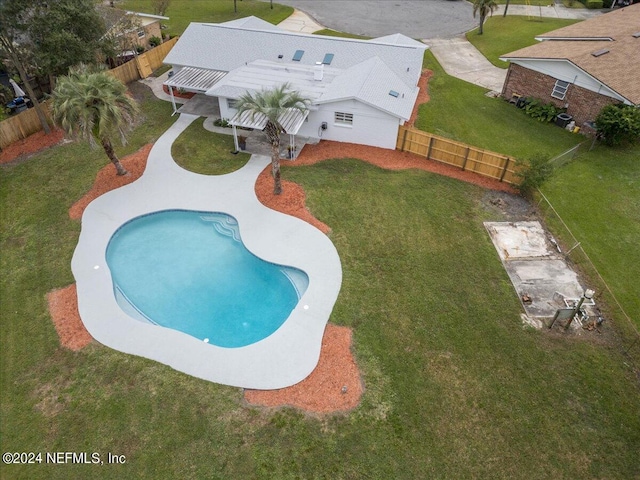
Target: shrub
{"points": [[618, 123], [542, 112], [534, 172], [594, 3], [140, 49], [222, 122], [155, 41]]}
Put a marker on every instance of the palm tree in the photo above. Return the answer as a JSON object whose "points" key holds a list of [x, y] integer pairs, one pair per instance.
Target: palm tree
{"points": [[484, 8], [272, 104], [94, 106]]}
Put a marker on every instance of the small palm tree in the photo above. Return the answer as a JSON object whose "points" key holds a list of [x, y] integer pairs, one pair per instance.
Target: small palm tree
{"points": [[272, 104], [94, 106], [484, 8]]}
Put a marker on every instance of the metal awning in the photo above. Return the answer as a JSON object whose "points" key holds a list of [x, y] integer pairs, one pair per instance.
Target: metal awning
{"points": [[195, 79], [291, 120]]}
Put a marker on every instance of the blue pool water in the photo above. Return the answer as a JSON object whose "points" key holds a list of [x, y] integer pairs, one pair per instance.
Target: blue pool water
{"points": [[190, 271]]}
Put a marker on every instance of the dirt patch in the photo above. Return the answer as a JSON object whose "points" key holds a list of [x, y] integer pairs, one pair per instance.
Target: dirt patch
{"points": [[63, 307], [107, 180], [509, 206], [334, 385], [23, 149]]}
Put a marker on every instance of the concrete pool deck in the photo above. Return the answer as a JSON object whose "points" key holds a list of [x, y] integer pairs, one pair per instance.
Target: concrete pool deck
{"points": [[284, 358]]}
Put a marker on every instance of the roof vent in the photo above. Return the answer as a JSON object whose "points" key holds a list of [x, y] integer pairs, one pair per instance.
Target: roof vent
{"points": [[393, 93], [280, 56], [318, 71], [636, 35], [599, 53]]}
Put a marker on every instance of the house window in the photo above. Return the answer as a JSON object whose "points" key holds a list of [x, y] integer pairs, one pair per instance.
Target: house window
{"points": [[231, 103], [140, 33], [343, 118], [560, 89]]}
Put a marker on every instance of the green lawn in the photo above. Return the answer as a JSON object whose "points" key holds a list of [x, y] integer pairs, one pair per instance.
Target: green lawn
{"points": [[455, 386], [598, 196], [208, 153], [335, 33], [461, 111], [504, 35], [182, 12]]}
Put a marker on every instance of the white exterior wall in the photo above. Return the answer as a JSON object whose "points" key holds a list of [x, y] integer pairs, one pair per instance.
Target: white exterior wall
{"points": [[370, 126], [566, 71], [225, 111]]}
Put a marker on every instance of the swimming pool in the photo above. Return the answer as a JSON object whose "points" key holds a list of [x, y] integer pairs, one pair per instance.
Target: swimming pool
{"points": [[283, 358], [190, 271]]}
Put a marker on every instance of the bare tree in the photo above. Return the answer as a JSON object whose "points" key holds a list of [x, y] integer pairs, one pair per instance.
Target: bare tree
{"points": [[160, 6]]}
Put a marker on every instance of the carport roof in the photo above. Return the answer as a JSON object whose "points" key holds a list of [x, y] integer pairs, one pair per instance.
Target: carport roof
{"points": [[291, 120], [195, 79]]}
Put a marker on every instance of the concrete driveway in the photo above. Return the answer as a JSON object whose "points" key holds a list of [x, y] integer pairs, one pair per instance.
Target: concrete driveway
{"points": [[461, 59], [374, 18]]}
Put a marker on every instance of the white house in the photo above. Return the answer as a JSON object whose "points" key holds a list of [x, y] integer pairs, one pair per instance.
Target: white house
{"points": [[361, 91]]}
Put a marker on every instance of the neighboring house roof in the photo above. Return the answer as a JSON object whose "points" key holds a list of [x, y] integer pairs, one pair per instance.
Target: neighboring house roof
{"points": [[606, 47], [382, 72], [112, 16]]}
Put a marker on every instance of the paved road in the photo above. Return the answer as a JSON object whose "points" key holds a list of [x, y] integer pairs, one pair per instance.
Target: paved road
{"points": [[414, 18]]}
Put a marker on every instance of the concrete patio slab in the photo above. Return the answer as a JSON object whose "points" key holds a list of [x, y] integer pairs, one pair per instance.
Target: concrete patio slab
{"points": [[539, 273], [282, 359]]}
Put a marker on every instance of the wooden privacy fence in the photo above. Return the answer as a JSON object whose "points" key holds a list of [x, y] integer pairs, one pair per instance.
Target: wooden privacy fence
{"points": [[27, 123], [458, 154], [22, 125], [144, 64]]}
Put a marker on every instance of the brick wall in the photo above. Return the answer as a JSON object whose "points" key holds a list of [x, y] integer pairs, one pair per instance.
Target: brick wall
{"points": [[582, 104]]}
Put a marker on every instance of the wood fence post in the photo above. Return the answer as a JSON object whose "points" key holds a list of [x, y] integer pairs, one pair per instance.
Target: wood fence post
{"points": [[466, 157], [404, 139], [429, 150], [504, 170]]}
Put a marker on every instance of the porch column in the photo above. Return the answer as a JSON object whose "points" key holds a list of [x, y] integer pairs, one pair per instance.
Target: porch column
{"points": [[173, 100], [235, 137], [292, 145]]}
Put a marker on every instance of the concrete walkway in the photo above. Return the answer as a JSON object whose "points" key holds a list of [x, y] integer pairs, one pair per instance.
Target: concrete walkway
{"points": [[300, 22], [461, 59]]}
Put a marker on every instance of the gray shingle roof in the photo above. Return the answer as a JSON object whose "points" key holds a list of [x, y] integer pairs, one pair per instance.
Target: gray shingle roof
{"points": [[258, 55], [619, 68], [226, 47]]}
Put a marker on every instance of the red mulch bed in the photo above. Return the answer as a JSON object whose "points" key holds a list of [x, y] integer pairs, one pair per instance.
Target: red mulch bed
{"points": [[107, 180], [334, 385], [63, 306], [177, 94], [30, 145]]}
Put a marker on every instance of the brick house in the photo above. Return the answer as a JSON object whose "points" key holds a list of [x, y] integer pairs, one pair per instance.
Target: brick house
{"points": [[131, 29], [582, 67]]}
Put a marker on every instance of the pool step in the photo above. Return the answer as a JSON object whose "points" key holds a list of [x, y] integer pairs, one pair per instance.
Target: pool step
{"points": [[224, 225]]}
